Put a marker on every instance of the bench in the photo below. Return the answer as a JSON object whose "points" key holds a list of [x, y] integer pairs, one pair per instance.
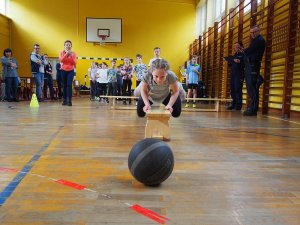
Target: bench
{"points": [[217, 102], [157, 125], [84, 92], [114, 101]]}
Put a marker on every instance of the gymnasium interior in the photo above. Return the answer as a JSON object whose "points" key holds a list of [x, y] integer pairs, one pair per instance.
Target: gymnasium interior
{"points": [[70, 165]]}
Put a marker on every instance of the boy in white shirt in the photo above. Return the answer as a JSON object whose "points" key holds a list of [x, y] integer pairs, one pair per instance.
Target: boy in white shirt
{"points": [[102, 80]]}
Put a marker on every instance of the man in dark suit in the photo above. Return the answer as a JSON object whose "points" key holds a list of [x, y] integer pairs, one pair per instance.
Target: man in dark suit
{"points": [[252, 60]]}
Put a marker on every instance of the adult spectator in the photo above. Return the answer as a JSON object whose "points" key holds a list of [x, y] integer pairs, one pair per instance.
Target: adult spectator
{"points": [[252, 60], [10, 75]]}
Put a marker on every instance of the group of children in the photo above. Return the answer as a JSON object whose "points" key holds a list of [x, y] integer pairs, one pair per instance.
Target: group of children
{"points": [[117, 80], [155, 83]]}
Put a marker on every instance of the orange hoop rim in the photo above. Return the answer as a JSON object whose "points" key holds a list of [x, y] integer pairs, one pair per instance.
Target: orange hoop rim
{"points": [[103, 37]]}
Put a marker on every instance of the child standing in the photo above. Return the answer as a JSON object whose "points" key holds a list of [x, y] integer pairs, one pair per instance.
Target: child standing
{"points": [[126, 71], [112, 79], [192, 78], [119, 81], [102, 80], [155, 88], [140, 69], [92, 74]]}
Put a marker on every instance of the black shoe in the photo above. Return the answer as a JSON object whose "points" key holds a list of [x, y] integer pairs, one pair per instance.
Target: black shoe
{"points": [[260, 81], [40, 100], [69, 103], [64, 103], [249, 113], [9, 100], [230, 107], [107, 101], [238, 109], [53, 98], [15, 100]]}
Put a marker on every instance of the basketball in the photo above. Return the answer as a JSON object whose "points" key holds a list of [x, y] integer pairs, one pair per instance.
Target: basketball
{"points": [[151, 161]]}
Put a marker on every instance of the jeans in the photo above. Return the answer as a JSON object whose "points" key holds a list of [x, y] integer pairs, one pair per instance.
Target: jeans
{"points": [[93, 89], [3, 92], [67, 78], [236, 86], [48, 82], [39, 78], [127, 89], [251, 75], [176, 107], [11, 87], [59, 84], [112, 89]]}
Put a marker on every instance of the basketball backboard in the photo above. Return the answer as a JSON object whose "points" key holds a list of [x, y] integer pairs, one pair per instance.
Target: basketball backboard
{"points": [[105, 30]]}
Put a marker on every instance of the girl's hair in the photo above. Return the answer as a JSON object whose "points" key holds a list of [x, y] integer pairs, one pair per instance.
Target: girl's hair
{"points": [[68, 41], [160, 64], [7, 50]]}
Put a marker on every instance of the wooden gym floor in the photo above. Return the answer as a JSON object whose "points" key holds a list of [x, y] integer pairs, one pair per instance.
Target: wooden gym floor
{"points": [[68, 165]]}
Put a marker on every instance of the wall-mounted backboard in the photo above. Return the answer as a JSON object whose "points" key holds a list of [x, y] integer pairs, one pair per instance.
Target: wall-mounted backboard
{"points": [[108, 28]]}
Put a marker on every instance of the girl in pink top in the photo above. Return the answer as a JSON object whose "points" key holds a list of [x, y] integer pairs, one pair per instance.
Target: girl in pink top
{"points": [[67, 59]]}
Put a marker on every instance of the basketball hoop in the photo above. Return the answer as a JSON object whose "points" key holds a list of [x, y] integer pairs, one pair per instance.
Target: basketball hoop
{"points": [[102, 37]]}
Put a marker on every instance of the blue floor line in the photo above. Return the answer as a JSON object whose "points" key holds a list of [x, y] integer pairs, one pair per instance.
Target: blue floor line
{"points": [[9, 189]]}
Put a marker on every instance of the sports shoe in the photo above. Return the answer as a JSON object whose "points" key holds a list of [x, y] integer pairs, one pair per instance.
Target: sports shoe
{"points": [[194, 105], [64, 103], [249, 113], [186, 105], [69, 103], [231, 107]]}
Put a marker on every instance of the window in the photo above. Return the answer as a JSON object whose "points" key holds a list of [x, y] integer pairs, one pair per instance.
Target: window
{"points": [[200, 20], [220, 9], [247, 4], [3, 6]]}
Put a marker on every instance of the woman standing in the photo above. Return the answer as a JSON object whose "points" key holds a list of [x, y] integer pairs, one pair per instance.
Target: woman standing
{"points": [[67, 59], [10, 75]]}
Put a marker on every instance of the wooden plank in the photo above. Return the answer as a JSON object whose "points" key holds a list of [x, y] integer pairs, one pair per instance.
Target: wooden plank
{"points": [[268, 57], [290, 58], [230, 48], [157, 125]]}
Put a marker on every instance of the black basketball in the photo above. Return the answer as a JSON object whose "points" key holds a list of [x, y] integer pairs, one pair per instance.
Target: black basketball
{"points": [[151, 161]]}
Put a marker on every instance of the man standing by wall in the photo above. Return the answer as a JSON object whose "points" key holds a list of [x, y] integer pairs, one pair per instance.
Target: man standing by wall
{"points": [[253, 57], [37, 63]]}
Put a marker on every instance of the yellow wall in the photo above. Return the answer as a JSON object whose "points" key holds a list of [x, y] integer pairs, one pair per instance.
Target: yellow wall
{"points": [[169, 24], [5, 28]]}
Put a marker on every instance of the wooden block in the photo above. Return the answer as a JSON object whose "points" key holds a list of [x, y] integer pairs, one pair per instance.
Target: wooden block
{"points": [[157, 125]]}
